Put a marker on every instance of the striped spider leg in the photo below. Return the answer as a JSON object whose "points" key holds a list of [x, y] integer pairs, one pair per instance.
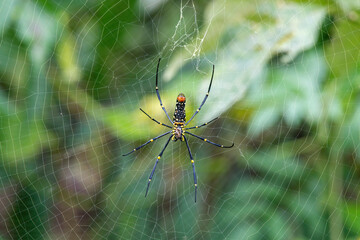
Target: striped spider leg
{"points": [[157, 90], [179, 128]]}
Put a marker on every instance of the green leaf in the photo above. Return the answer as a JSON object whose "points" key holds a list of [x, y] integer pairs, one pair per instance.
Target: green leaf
{"points": [[351, 216], [186, 216], [6, 14], [68, 60], [342, 54], [273, 208], [37, 29], [87, 37], [348, 5], [291, 91], [253, 34], [263, 119], [29, 217], [13, 65], [277, 165], [20, 138]]}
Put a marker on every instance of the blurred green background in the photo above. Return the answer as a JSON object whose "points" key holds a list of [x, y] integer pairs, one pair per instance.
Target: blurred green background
{"points": [[74, 73]]}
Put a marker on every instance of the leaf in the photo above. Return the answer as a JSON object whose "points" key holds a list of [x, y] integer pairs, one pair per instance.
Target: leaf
{"points": [[68, 60], [28, 221], [13, 65], [351, 216], [6, 14], [343, 53], [186, 216], [350, 132], [37, 29], [291, 91], [348, 5], [279, 165], [347, 89], [263, 119], [253, 34], [24, 133], [20, 138], [87, 37], [273, 208]]}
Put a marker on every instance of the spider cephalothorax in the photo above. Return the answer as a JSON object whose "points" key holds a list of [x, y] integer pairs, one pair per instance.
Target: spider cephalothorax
{"points": [[178, 132], [179, 128]]}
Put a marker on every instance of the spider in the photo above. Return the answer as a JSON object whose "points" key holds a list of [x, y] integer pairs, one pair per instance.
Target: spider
{"points": [[179, 129]]}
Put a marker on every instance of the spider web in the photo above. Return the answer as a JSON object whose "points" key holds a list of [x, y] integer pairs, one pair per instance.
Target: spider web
{"points": [[75, 73]]}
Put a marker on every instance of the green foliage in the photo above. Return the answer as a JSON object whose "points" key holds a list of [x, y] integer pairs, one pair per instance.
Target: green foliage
{"points": [[246, 39], [30, 210], [74, 73], [301, 98]]}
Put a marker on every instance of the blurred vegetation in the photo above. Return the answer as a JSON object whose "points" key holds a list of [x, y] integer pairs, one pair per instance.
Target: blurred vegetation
{"points": [[286, 86]]}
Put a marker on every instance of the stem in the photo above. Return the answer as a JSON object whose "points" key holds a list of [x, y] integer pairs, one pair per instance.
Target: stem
{"points": [[335, 192], [333, 152]]}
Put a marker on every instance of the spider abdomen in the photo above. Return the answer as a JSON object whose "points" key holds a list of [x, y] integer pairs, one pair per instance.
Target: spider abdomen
{"points": [[179, 114]]}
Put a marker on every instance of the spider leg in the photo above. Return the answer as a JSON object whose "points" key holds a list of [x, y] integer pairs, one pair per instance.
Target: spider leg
{"points": [[206, 96], [157, 160], [151, 140], [204, 139], [155, 119], [202, 124], [193, 165], [157, 90]]}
